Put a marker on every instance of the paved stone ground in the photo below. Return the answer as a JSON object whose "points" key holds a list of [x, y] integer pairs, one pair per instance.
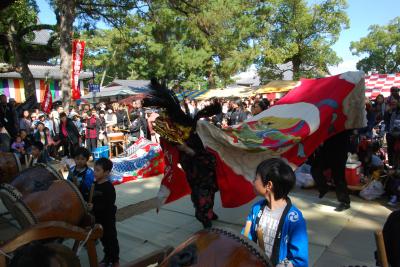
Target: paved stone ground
{"points": [[335, 239]]}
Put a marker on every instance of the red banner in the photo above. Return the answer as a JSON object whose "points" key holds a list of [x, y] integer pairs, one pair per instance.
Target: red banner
{"points": [[47, 102], [78, 48]]}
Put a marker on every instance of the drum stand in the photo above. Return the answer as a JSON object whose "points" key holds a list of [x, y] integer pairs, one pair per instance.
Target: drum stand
{"points": [[51, 230]]}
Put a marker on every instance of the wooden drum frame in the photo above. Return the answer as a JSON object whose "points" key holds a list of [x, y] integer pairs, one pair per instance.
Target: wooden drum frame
{"points": [[218, 248], [39, 199]]}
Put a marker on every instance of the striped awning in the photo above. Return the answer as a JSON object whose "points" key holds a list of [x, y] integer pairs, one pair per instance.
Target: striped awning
{"points": [[376, 84]]}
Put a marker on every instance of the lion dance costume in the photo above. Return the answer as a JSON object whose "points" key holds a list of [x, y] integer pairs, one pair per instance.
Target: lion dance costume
{"points": [[177, 129]]}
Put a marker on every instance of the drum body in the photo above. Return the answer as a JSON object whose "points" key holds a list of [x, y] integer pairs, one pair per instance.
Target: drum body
{"points": [[38, 194], [217, 248], [10, 166]]}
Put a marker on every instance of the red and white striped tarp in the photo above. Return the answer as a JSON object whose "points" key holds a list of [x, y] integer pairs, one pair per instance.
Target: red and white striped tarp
{"points": [[376, 84]]}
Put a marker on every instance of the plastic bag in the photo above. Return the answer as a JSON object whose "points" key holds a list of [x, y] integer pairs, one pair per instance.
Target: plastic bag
{"points": [[373, 190], [303, 176]]}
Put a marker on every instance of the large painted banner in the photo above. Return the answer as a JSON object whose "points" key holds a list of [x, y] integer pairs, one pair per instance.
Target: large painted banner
{"points": [[78, 48], [144, 159], [292, 129]]}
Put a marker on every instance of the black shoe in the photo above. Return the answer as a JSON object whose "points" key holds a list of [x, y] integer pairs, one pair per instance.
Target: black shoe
{"points": [[214, 217], [207, 225], [322, 193], [342, 206]]}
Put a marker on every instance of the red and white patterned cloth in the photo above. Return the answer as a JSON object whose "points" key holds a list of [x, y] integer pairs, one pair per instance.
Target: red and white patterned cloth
{"points": [[376, 84]]}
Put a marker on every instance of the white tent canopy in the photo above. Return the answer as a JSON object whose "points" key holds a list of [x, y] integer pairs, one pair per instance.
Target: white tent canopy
{"points": [[234, 91]]}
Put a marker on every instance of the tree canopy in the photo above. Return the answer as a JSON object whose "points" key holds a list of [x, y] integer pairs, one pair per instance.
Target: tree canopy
{"points": [[195, 44], [18, 21], [300, 38], [380, 48], [204, 43]]}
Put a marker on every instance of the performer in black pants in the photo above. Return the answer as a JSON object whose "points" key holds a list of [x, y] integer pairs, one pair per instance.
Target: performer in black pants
{"points": [[333, 155]]}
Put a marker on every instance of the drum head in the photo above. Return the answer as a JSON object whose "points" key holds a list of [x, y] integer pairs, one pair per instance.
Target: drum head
{"points": [[36, 178], [12, 200], [218, 248], [52, 170]]}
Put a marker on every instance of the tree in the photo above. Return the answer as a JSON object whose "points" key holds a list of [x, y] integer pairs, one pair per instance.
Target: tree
{"points": [[17, 25], [88, 12], [193, 44], [381, 48], [300, 38]]}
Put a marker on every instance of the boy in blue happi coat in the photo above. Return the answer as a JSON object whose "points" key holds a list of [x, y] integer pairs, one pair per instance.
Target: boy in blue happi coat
{"points": [[81, 175], [274, 222]]}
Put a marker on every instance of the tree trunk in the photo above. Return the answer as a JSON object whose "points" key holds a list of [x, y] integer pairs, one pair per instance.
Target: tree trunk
{"points": [[67, 17], [296, 61], [21, 63], [211, 79]]}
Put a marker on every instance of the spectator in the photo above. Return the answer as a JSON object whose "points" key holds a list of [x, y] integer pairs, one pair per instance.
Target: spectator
{"points": [[52, 145], [394, 94], [4, 139], [102, 130], [8, 116], [26, 139], [69, 135], [389, 138], [40, 135], [138, 126], [111, 120], [379, 108], [18, 146], [25, 122], [38, 154], [122, 117], [92, 131], [259, 106]]}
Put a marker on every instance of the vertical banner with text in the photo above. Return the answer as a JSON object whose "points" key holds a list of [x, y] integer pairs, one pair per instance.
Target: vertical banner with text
{"points": [[47, 102], [78, 48]]}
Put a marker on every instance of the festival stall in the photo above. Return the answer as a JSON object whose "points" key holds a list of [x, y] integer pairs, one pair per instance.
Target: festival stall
{"points": [[276, 89], [229, 92]]}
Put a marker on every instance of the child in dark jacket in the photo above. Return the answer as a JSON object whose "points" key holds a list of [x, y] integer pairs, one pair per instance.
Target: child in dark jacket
{"points": [[104, 211]]}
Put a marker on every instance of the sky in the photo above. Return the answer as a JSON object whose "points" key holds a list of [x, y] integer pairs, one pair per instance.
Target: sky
{"points": [[362, 14]]}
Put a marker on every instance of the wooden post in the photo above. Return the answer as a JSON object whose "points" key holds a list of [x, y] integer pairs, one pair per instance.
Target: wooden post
{"points": [[380, 244]]}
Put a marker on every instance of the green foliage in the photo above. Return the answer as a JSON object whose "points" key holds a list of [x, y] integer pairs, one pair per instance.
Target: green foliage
{"points": [[300, 37], [194, 46], [13, 19], [381, 48]]}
